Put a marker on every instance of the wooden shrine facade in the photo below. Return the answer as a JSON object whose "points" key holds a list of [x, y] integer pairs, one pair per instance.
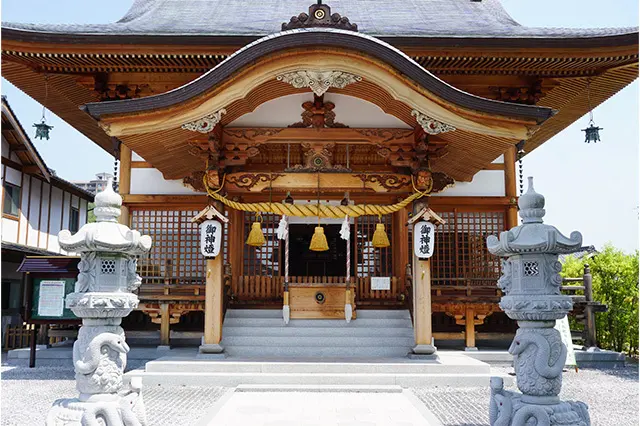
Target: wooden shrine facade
{"points": [[323, 113]]}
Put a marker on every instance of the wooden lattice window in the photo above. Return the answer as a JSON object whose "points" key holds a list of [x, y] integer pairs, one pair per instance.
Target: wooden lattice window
{"points": [[175, 254], [262, 261], [461, 257], [370, 261]]}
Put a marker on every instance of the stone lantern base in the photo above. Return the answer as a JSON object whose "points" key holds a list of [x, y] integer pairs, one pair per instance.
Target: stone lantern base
{"points": [[124, 408], [508, 408]]}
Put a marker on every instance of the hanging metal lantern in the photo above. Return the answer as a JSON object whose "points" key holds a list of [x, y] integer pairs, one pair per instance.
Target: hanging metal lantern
{"points": [[42, 128], [591, 133]]}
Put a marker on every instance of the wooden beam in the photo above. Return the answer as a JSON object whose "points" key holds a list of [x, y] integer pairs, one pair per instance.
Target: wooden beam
{"points": [[369, 136], [141, 165]]}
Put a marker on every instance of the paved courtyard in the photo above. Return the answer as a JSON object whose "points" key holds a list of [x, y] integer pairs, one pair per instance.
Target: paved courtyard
{"points": [[612, 396]]}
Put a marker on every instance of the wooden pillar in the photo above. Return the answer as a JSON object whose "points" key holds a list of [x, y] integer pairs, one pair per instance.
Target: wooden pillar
{"points": [[400, 235], [590, 317], [510, 186], [235, 241], [422, 306], [164, 324], [470, 329], [213, 306], [125, 181]]}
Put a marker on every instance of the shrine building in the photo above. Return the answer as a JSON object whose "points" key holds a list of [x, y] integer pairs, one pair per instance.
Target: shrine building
{"points": [[354, 119]]}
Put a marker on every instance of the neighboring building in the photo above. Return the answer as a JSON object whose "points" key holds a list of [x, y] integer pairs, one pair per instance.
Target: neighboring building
{"points": [[96, 185], [432, 95], [36, 205]]}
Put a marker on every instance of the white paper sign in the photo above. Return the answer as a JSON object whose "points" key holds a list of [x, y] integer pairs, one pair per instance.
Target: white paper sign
{"points": [[562, 325], [423, 239], [51, 301], [380, 283], [210, 238]]}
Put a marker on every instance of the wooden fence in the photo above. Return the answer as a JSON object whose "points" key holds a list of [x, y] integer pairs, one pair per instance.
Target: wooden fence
{"points": [[17, 336]]}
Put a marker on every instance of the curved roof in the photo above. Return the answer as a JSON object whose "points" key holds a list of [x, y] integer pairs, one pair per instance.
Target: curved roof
{"points": [[400, 18], [325, 37]]}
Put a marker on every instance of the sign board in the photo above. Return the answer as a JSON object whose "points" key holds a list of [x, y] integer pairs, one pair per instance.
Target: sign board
{"points": [[423, 239], [51, 301], [48, 298], [380, 283], [562, 325], [210, 238]]}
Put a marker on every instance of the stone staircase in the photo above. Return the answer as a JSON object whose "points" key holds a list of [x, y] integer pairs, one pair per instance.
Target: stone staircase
{"points": [[253, 333], [262, 351]]}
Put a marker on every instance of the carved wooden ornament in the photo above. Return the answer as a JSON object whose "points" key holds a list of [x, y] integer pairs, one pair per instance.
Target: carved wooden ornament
{"points": [[206, 123], [319, 81], [431, 125]]}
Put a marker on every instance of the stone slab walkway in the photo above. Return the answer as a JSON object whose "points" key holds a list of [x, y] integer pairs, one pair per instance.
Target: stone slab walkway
{"points": [[319, 409]]}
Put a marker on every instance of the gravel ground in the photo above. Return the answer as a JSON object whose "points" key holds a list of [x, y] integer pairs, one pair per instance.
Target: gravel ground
{"points": [[27, 394], [612, 396]]}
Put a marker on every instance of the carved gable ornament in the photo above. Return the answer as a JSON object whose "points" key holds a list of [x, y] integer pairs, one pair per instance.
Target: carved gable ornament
{"points": [[319, 16], [318, 81], [206, 123], [430, 125]]}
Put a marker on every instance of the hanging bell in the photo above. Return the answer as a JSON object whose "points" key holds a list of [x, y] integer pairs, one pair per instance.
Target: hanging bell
{"points": [[256, 237], [380, 239], [319, 240]]}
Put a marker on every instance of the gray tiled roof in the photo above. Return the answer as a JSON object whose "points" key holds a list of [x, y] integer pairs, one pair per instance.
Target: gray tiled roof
{"points": [[421, 18]]}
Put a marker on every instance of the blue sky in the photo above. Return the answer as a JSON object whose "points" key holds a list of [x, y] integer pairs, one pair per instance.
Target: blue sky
{"points": [[591, 188]]}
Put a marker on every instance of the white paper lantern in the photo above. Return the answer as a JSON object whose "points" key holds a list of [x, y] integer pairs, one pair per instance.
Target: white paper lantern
{"points": [[423, 239], [210, 238]]}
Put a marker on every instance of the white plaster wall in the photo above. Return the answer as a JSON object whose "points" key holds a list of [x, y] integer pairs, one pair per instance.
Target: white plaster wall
{"points": [[352, 111], [9, 230], [83, 212], [22, 233], [14, 176], [34, 213], [5, 147], [151, 181], [499, 160], [56, 211], [136, 157], [486, 183], [44, 213]]}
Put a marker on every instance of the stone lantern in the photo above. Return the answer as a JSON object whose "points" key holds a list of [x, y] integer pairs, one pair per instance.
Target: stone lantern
{"points": [[102, 297], [531, 285]]}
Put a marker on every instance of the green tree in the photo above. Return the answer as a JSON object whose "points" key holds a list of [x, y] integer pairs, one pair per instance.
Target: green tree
{"points": [[615, 283]]}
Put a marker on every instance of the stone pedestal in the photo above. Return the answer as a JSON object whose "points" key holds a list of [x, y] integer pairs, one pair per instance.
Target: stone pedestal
{"points": [[102, 297], [531, 286]]}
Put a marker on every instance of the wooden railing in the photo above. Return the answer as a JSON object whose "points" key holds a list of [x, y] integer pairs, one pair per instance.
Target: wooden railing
{"points": [[249, 289], [465, 289]]}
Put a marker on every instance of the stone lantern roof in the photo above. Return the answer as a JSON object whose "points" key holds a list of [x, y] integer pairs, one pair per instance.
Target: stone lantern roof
{"points": [[533, 236], [106, 234]]}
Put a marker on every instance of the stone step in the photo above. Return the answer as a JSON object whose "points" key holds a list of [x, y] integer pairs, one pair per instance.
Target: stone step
{"points": [[251, 351], [316, 341], [277, 313], [151, 379], [319, 367], [278, 322], [318, 331]]}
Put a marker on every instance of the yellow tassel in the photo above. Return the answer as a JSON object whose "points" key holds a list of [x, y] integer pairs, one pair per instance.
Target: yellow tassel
{"points": [[380, 239], [319, 240], [256, 237]]}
